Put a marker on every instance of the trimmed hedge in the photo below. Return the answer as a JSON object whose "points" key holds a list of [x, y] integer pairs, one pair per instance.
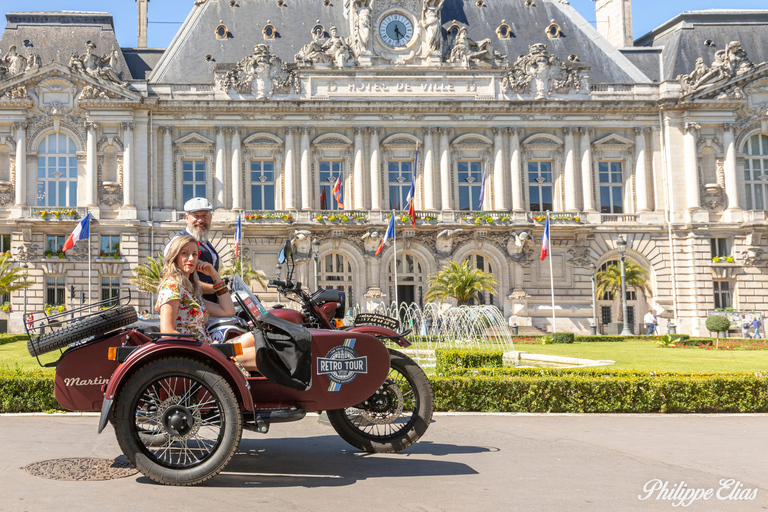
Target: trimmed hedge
{"points": [[11, 338], [449, 358], [23, 391], [599, 338], [562, 337]]}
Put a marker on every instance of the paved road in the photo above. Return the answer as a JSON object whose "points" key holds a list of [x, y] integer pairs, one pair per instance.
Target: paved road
{"points": [[463, 463]]}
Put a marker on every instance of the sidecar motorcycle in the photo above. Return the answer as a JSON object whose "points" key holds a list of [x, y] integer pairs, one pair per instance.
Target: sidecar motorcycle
{"points": [[178, 405]]}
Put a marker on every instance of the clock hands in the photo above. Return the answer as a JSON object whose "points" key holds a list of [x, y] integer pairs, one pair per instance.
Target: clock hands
{"points": [[397, 33]]}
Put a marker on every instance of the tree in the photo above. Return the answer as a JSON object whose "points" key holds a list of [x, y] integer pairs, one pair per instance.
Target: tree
{"points": [[11, 278], [459, 281], [147, 275], [718, 324], [248, 275], [609, 281]]}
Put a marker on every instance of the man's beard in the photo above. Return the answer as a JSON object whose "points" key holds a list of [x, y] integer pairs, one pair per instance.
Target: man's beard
{"points": [[199, 233]]}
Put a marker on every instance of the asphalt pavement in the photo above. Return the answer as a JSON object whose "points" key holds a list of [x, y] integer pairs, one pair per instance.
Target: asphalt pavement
{"points": [[465, 462]]}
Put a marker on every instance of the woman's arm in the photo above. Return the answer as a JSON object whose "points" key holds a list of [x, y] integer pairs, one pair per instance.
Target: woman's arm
{"points": [[225, 307], [168, 313]]}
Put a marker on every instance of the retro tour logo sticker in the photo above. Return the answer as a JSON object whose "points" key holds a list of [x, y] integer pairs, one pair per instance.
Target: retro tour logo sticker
{"points": [[342, 365]]}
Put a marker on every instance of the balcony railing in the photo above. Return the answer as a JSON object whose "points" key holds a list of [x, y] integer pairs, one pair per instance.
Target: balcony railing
{"points": [[620, 218]]}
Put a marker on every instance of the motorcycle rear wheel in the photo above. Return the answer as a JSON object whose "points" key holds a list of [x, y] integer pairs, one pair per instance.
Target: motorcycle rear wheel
{"points": [[395, 417]]}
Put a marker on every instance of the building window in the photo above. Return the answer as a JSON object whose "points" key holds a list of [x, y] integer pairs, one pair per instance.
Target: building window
{"points": [[336, 272], [330, 171], [719, 247], [756, 171], [400, 178], [5, 243], [540, 186], [263, 184], [481, 263], [611, 188], [605, 314], [470, 184], [631, 315], [110, 246], [110, 289], [54, 245], [410, 284], [55, 291], [57, 171], [193, 179], [722, 294]]}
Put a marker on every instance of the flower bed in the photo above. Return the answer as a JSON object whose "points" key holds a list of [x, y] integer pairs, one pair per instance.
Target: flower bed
{"points": [[570, 218], [723, 259], [72, 214], [115, 255], [480, 220], [341, 218], [57, 254], [256, 217]]}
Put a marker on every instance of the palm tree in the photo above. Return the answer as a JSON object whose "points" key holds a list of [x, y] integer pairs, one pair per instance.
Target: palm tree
{"points": [[609, 281], [147, 275], [459, 281], [11, 278], [248, 275]]}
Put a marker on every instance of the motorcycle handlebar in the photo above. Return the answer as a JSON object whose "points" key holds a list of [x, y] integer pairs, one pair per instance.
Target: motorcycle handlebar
{"points": [[284, 284]]}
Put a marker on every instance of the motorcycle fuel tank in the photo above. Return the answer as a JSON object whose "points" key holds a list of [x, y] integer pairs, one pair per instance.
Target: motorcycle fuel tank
{"points": [[290, 315]]}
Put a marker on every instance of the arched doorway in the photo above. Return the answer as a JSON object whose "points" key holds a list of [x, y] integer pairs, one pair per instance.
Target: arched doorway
{"points": [[609, 306], [410, 279], [483, 263], [336, 272]]}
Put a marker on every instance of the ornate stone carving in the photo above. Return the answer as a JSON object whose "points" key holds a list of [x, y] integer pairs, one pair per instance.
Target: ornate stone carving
{"points": [[312, 52], [579, 258], [752, 256], [361, 36], [102, 68], [371, 240], [12, 64], [519, 247], [540, 74], [91, 93], [729, 63], [712, 196], [430, 21], [467, 53], [445, 240], [25, 251], [338, 49], [19, 93], [301, 241], [261, 74]]}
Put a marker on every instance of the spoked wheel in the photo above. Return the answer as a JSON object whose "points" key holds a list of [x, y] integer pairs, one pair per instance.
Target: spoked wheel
{"points": [[395, 417], [178, 422]]}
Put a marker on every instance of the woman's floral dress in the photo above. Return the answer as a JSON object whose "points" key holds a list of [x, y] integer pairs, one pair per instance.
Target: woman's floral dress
{"points": [[191, 315]]}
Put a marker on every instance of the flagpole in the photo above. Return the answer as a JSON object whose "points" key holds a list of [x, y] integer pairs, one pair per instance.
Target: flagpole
{"points": [[551, 275], [89, 259], [394, 265]]}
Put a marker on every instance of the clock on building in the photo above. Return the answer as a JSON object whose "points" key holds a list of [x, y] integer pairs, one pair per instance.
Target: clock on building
{"points": [[396, 29]]}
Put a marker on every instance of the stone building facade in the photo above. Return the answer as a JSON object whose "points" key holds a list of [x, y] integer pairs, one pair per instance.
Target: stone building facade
{"points": [[263, 106]]}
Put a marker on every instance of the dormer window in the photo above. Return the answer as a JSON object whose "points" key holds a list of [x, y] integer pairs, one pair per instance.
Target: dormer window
{"points": [[269, 31], [553, 30], [504, 31], [221, 31]]}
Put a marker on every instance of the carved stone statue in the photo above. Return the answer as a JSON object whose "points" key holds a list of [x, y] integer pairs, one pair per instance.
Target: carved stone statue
{"points": [[430, 20], [301, 242], [540, 73], [312, 52], [261, 74], [14, 62], [362, 36], [337, 49], [102, 67], [33, 62], [729, 63], [444, 242], [518, 243], [372, 240], [467, 52]]}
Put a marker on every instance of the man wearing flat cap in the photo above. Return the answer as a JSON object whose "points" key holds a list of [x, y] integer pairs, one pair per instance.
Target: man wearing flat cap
{"points": [[197, 214]]}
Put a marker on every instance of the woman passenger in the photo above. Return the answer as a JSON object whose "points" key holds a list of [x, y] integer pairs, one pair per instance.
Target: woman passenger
{"points": [[179, 298]]}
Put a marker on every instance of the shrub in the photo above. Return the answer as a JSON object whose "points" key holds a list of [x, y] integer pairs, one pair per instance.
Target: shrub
{"points": [[718, 324], [25, 391], [562, 337], [447, 359]]}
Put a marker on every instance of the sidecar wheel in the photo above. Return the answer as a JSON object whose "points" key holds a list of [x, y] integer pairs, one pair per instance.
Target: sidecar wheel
{"points": [[177, 421], [395, 417]]}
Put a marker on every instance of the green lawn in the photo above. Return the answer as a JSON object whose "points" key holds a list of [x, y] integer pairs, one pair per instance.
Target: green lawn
{"points": [[15, 356], [646, 355]]}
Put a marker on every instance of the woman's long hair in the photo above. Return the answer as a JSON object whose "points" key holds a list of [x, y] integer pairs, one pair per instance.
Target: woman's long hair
{"points": [[172, 272]]}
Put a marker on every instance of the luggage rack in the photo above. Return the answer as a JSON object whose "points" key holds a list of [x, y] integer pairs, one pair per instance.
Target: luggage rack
{"points": [[53, 322]]}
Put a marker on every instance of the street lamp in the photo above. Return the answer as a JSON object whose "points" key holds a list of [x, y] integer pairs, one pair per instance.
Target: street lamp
{"points": [[621, 246], [279, 268], [316, 259], [593, 327]]}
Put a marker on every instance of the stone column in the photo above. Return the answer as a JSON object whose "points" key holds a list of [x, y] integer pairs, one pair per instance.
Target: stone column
{"points": [[570, 171], [587, 177], [429, 170], [641, 173], [21, 164], [515, 170], [289, 202], [306, 184], [237, 177], [90, 165], [141, 152], [128, 165], [168, 181], [358, 171], [499, 197], [375, 171], [691, 168], [729, 168], [219, 175], [446, 197]]}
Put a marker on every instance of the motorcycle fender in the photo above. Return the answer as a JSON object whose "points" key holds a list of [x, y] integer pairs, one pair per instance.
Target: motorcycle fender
{"points": [[175, 347], [381, 332]]}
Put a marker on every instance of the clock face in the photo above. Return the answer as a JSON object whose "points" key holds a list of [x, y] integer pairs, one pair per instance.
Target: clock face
{"points": [[396, 30]]}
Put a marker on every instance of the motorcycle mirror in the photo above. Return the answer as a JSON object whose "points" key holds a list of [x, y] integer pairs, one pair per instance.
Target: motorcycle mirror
{"points": [[281, 256]]}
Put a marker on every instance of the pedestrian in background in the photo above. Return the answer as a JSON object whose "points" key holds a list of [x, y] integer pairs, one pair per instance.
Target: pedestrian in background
{"points": [[744, 327], [757, 324], [650, 322]]}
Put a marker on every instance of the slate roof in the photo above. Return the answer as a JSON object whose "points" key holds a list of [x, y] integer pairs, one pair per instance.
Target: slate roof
{"points": [[54, 35], [141, 61], [184, 60], [683, 37]]}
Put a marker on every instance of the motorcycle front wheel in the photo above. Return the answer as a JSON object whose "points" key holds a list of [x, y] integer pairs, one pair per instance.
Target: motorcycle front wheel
{"points": [[394, 417]]}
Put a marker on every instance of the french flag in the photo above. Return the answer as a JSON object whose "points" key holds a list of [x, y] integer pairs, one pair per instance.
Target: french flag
{"points": [[545, 240], [238, 236], [389, 234], [81, 232], [336, 191]]}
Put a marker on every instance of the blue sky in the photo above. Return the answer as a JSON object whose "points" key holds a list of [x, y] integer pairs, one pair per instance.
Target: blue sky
{"points": [[165, 16]]}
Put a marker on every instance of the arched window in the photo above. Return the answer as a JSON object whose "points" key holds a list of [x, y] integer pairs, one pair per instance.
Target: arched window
{"points": [[480, 262], [756, 171], [336, 272], [410, 280], [57, 171], [608, 296]]}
